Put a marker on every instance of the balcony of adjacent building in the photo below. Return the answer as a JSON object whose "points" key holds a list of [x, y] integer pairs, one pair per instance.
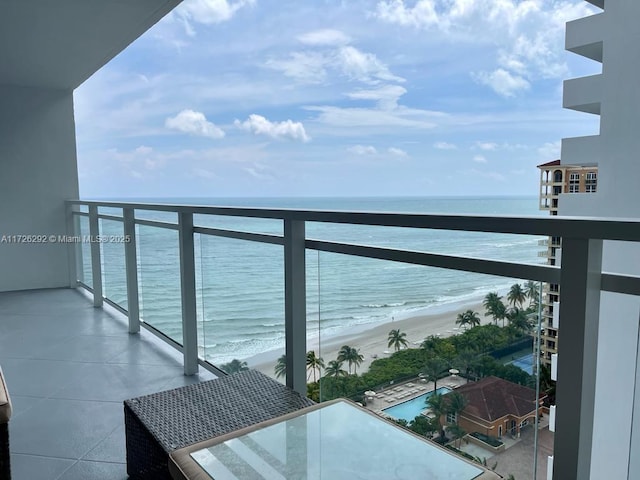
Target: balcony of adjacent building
{"points": [[74, 355]]}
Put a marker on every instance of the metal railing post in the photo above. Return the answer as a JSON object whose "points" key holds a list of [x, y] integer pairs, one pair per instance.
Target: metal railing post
{"points": [[74, 252], [188, 293], [295, 311], [96, 263], [576, 387], [131, 266]]}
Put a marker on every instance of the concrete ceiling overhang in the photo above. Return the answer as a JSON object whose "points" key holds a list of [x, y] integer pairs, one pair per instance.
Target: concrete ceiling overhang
{"points": [[61, 43]]}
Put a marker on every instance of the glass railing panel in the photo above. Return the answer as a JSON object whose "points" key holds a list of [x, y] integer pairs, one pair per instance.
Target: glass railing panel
{"points": [[113, 211], [156, 215], [114, 281], [391, 334], [159, 280], [240, 224], [85, 273], [241, 304]]}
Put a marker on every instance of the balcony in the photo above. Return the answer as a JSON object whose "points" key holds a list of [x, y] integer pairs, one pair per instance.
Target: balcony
{"points": [[116, 266]]}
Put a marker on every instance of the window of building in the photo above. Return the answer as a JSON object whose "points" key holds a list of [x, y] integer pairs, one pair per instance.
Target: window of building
{"points": [[591, 182], [574, 183], [557, 176], [452, 418]]}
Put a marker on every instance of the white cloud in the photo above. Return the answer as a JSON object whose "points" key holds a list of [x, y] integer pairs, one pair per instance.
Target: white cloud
{"points": [[487, 145], [387, 96], [208, 12], [371, 118], [527, 53], [325, 37], [193, 123], [307, 67], [313, 66], [397, 152], [203, 173], [259, 125], [362, 150], [479, 159], [445, 146], [503, 82], [363, 66], [550, 151]]}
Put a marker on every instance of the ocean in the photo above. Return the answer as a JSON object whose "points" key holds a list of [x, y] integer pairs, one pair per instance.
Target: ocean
{"points": [[240, 284]]}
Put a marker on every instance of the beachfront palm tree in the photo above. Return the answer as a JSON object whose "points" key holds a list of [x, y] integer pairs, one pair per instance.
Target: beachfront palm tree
{"points": [[494, 306], [516, 295], [432, 369], [519, 320], [532, 291], [438, 408], [350, 355], [334, 369], [397, 339], [314, 363], [468, 318], [234, 366], [281, 367]]}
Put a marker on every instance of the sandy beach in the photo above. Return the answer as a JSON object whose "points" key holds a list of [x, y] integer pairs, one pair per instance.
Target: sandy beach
{"points": [[372, 340]]}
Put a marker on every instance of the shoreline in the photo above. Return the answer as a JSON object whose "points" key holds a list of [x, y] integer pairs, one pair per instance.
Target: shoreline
{"points": [[372, 339]]}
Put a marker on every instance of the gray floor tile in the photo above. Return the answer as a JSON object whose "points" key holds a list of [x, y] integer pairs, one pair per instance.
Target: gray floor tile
{"points": [[111, 449], [31, 467], [116, 382], [84, 470], [21, 404], [64, 428], [88, 348], [38, 377]]}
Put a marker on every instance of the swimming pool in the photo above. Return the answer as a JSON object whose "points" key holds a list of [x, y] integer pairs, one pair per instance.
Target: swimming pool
{"points": [[412, 408], [524, 363]]}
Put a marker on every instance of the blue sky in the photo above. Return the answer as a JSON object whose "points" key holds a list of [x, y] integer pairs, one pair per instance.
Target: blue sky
{"points": [[333, 98]]}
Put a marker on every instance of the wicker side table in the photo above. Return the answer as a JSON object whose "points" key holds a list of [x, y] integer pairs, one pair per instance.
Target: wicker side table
{"points": [[160, 423]]}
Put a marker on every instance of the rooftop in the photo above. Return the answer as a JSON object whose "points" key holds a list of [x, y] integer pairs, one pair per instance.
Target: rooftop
{"points": [[492, 398]]}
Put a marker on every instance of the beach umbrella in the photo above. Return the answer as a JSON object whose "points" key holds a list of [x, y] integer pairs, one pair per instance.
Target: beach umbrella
{"points": [[454, 371], [370, 393]]}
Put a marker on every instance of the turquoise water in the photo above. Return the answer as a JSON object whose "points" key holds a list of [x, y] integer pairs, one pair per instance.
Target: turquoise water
{"points": [[525, 363], [412, 408], [240, 284]]}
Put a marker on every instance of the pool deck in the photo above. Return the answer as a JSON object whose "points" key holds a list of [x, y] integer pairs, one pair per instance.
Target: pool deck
{"points": [[403, 392]]}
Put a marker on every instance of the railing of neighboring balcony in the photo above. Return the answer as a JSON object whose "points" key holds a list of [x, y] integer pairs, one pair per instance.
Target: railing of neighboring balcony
{"points": [[124, 274]]}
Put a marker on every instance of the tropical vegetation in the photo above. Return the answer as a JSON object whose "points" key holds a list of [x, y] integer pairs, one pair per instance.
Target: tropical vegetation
{"points": [[234, 366], [397, 339]]}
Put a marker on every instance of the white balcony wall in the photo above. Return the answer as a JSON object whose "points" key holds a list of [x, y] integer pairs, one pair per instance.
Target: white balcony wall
{"points": [[38, 173], [584, 150], [617, 196]]}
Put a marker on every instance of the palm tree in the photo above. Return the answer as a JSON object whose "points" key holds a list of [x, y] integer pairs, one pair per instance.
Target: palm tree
{"points": [[494, 306], [314, 364], [457, 432], [432, 369], [468, 318], [350, 355], [234, 366], [456, 403], [281, 367], [466, 359], [397, 339], [438, 407], [532, 291], [516, 295], [519, 321], [334, 369]]}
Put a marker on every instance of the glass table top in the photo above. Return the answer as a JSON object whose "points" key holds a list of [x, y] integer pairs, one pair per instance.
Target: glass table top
{"points": [[334, 441]]}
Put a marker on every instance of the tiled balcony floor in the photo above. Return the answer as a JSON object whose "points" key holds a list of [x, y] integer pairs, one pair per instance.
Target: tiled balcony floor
{"points": [[68, 367]]}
